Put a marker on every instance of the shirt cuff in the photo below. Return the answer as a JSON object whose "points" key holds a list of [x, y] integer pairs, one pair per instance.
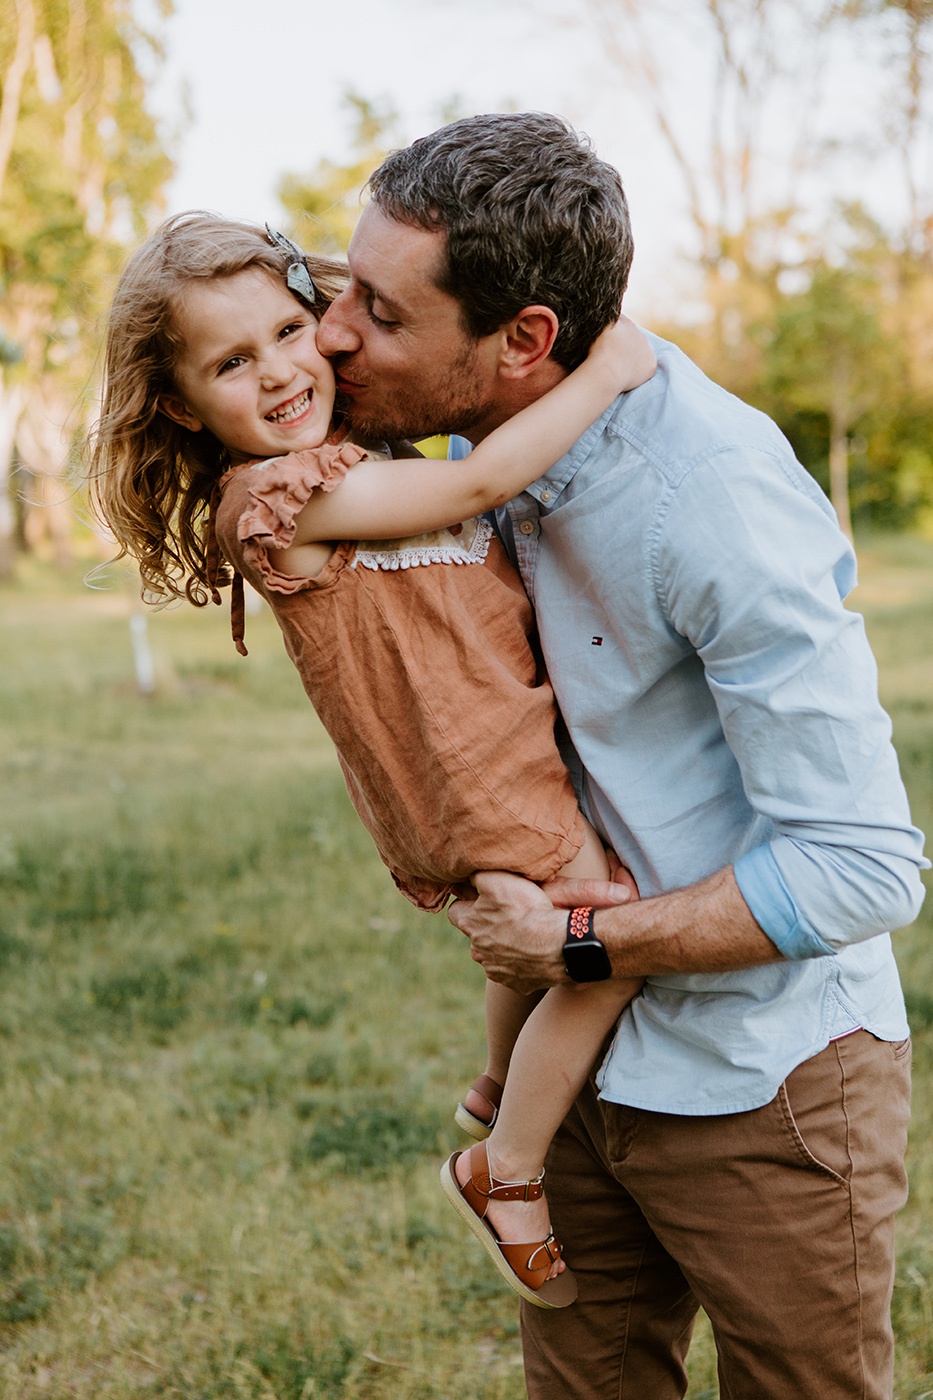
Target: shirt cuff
{"points": [[762, 886]]}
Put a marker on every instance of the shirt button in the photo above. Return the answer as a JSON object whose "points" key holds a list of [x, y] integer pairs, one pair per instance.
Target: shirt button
{"points": [[527, 527], [547, 495]]}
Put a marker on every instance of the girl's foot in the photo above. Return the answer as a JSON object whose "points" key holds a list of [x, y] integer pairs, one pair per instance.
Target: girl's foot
{"points": [[480, 1108], [527, 1267], [515, 1222]]}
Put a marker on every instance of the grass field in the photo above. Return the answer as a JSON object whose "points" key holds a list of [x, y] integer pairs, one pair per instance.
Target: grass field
{"points": [[229, 1050]]}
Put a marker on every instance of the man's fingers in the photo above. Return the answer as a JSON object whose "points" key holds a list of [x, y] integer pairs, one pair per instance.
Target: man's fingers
{"points": [[598, 894], [620, 874], [455, 913]]}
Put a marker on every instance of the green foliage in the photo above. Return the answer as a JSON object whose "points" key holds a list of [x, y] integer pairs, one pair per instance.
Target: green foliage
{"points": [[84, 170], [841, 360], [324, 205], [832, 346], [828, 353], [82, 167]]}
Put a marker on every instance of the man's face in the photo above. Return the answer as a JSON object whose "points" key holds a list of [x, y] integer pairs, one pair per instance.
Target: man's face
{"points": [[405, 366]]}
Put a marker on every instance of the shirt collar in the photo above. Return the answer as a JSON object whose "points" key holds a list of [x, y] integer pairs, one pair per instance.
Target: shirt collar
{"points": [[557, 477]]}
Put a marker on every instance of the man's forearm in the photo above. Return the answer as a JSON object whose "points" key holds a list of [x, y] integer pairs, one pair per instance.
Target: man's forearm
{"points": [[706, 927], [517, 933]]}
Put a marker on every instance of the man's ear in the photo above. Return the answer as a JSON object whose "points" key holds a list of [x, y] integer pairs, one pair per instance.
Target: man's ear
{"points": [[527, 341], [175, 408]]}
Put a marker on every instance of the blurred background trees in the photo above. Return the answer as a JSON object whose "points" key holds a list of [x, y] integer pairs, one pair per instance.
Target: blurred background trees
{"points": [[816, 310], [82, 167], [323, 206], [820, 313]]}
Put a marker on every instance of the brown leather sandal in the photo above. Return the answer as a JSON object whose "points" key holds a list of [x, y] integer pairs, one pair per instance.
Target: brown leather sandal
{"points": [[480, 1128], [524, 1267]]}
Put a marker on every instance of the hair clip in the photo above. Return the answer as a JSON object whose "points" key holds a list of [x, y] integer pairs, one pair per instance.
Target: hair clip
{"points": [[298, 279]]}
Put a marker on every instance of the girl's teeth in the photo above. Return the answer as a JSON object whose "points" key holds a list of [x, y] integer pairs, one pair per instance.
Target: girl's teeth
{"points": [[294, 409]]}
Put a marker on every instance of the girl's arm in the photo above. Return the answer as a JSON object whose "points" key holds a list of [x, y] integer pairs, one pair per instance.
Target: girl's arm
{"points": [[390, 500]]}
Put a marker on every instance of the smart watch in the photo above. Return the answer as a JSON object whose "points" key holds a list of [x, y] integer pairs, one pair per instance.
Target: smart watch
{"points": [[585, 957]]}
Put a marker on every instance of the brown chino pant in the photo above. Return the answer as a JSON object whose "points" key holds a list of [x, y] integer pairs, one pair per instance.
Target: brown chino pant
{"points": [[779, 1222]]}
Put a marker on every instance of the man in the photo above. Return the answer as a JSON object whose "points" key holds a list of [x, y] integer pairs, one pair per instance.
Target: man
{"points": [[746, 1148]]}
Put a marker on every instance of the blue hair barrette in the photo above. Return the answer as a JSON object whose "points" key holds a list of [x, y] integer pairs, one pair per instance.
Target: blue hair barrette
{"points": [[298, 279]]}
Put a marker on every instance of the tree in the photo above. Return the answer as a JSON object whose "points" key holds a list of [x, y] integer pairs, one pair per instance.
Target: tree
{"points": [[81, 170], [907, 25], [734, 88], [836, 372], [823, 358], [825, 321], [323, 207]]}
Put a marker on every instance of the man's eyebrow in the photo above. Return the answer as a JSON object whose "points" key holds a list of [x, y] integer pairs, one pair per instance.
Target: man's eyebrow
{"points": [[374, 292]]}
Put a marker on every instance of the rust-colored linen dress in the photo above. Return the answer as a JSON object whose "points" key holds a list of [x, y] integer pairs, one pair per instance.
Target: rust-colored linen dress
{"points": [[418, 656]]}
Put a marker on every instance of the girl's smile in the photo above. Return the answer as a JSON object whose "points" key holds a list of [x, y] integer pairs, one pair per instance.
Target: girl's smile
{"points": [[250, 370]]}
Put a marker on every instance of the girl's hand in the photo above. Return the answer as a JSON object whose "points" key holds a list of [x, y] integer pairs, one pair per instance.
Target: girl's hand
{"points": [[624, 351], [379, 500]]}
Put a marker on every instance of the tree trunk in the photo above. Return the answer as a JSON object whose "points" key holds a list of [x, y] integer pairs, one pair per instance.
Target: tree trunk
{"points": [[43, 444], [13, 79], [10, 408]]}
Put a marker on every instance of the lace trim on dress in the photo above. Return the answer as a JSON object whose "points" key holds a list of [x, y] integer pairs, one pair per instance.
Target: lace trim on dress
{"points": [[462, 544]]}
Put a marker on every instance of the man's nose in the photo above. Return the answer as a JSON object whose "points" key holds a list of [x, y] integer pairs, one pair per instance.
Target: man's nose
{"points": [[335, 332]]}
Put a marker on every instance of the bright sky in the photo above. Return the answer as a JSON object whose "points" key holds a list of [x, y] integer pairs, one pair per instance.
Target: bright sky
{"points": [[251, 100], [265, 99]]}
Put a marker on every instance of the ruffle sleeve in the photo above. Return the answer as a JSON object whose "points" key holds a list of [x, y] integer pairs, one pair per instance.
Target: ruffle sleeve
{"points": [[277, 492]]}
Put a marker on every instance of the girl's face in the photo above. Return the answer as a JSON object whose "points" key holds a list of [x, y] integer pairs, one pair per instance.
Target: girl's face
{"points": [[250, 370]]}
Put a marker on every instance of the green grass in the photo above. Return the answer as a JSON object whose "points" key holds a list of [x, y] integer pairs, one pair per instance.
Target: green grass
{"points": [[229, 1050]]}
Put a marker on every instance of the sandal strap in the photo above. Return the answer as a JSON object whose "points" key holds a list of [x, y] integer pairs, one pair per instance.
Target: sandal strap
{"points": [[553, 1249], [483, 1184], [526, 1261], [489, 1090]]}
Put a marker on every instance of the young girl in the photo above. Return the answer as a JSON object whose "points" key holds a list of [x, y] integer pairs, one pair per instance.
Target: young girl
{"points": [[414, 638]]}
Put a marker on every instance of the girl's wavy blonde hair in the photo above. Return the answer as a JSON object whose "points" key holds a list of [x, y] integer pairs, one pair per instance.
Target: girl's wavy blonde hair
{"points": [[150, 479]]}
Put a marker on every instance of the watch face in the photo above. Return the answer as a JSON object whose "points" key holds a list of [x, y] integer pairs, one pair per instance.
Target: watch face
{"points": [[587, 961]]}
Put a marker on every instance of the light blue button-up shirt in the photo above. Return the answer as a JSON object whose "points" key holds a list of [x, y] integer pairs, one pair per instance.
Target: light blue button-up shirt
{"points": [[688, 577]]}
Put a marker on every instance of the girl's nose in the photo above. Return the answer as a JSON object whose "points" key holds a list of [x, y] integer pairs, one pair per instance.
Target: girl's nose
{"points": [[276, 369]]}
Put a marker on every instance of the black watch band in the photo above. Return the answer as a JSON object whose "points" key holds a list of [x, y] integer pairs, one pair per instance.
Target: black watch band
{"points": [[585, 957]]}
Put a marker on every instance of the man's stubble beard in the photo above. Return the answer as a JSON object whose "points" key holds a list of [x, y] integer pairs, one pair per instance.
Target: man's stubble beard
{"points": [[456, 403]]}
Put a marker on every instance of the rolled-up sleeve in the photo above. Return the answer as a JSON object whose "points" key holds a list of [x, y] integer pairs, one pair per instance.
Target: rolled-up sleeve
{"points": [[755, 579]]}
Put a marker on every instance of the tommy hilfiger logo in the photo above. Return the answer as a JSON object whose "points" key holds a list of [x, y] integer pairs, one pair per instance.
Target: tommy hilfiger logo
{"points": [[596, 642]]}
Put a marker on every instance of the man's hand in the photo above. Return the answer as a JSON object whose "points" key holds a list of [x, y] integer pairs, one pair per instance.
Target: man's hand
{"points": [[517, 932], [515, 929]]}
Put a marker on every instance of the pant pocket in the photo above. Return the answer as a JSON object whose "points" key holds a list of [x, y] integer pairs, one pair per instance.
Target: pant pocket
{"points": [[813, 1102]]}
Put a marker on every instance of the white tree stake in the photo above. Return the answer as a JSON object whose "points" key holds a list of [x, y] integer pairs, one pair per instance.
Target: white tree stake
{"points": [[142, 653]]}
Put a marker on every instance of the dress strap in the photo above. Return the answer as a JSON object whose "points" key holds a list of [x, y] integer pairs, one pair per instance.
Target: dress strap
{"points": [[212, 571]]}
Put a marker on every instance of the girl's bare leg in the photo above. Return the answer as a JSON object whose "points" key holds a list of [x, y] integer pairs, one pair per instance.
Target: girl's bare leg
{"points": [[549, 1062], [506, 1013]]}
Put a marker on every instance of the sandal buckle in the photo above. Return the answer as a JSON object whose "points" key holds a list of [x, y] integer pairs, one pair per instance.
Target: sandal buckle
{"points": [[536, 1181]]}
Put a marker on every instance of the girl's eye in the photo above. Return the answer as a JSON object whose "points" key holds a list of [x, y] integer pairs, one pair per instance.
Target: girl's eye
{"points": [[233, 362], [292, 329]]}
